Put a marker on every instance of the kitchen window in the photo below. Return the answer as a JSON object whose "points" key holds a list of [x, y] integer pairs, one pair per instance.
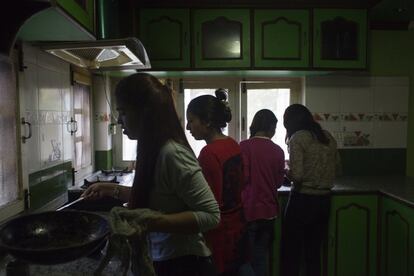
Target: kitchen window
{"points": [[273, 95], [245, 97]]}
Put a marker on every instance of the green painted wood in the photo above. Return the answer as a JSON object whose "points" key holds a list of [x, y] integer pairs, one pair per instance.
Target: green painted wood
{"points": [[108, 26], [397, 241], [353, 15], [51, 25], [281, 38], [352, 241], [274, 259], [103, 160], [84, 15], [165, 34], [228, 43], [47, 184]]}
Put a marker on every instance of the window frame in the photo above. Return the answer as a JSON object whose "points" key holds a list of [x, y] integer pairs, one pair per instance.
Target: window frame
{"points": [[83, 78]]}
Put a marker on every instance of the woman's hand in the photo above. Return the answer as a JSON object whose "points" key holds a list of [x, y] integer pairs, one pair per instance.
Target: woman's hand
{"points": [[99, 190]]}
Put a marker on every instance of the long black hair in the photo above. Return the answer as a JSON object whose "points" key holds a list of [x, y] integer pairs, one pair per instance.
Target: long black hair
{"points": [[264, 120], [157, 123], [298, 117], [212, 110]]}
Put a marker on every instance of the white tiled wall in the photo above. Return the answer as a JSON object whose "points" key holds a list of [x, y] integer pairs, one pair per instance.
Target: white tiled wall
{"points": [[361, 111]]}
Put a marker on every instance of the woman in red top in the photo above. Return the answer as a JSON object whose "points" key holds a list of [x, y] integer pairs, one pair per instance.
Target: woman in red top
{"points": [[221, 163]]}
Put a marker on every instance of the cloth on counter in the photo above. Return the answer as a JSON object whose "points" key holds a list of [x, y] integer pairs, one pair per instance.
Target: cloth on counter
{"points": [[128, 241]]}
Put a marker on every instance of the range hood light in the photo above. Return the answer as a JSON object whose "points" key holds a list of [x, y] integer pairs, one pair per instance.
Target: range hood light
{"points": [[106, 54]]}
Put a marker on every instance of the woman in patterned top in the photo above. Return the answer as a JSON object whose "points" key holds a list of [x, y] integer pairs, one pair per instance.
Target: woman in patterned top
{"points": [[312, 168], [221, 163]]}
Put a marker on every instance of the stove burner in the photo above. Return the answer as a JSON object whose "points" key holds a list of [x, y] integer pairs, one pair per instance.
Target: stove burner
{"points": [[87, 183], [117, 172]]}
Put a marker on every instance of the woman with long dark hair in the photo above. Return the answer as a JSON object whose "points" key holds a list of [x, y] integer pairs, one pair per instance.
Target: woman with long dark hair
{"points": [[222, 167], [167, 179], [312, 168], [264, 163]]}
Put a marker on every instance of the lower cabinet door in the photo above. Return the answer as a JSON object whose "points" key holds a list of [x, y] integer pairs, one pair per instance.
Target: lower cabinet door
{"points": [[352, 238], [397, 244]]}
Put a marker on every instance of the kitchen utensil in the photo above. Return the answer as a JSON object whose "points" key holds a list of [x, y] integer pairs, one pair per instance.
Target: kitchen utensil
{"points": [[70, 204], [53, 237]]}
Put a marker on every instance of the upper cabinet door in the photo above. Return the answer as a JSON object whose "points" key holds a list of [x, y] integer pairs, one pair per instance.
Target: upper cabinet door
{"points": [[281, 38], [83, 11], [340, 38], [222, 38], [165, 35]]}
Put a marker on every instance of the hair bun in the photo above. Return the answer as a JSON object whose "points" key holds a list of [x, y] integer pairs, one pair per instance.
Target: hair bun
{"points": [[221, 94]]}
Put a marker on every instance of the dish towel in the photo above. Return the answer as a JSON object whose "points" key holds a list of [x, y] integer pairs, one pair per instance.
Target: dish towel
{"points": [[128, 241]]}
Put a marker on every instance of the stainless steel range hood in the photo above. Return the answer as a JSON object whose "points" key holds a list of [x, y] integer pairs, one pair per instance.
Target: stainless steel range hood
{"points": [[101, 55]]}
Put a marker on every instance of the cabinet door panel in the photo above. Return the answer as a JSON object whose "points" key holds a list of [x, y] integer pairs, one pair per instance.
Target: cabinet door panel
{"points": [[281, 38], [222, 38], [397, 239], [353, 236], [81, 10], [165, 34], [339, 38]]}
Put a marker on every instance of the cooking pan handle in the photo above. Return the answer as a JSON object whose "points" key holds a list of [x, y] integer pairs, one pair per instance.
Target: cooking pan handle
{"points": [[70, 204]]}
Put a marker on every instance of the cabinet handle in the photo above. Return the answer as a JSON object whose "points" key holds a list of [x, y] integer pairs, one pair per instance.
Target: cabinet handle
{"points": [[72, 126], [243, 124], [24, 138]]}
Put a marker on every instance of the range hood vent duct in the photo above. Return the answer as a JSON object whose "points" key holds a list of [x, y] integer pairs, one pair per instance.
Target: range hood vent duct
{"points": [[101, 55]]}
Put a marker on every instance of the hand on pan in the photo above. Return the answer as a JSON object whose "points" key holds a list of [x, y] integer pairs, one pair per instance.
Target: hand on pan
{"points": [[99, 190]]}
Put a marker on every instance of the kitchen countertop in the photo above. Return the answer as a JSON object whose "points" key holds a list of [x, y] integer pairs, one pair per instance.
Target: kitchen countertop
{"points": [[398, 187], [83, 266]]}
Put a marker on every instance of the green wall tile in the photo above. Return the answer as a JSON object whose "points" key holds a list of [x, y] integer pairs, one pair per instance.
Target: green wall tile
{"points": [[103, 160], [373, 161]]}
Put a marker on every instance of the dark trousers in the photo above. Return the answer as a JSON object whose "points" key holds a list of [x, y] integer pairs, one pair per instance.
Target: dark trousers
{"points": [[305, 224], [260, 237], [186, 266]]}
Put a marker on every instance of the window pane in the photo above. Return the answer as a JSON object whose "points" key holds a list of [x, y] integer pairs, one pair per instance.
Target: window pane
{"points": [[129, 149], [78, 155], [190, 94], [276, 100]]}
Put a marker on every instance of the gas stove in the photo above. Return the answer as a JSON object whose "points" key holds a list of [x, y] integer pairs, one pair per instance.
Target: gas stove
{"points": [[112, 176]]}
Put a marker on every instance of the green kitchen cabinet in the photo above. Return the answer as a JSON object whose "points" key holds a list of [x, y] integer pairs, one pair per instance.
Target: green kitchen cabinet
{"points": [[274, 258], [165, 34], [340, 38], [352, 236], [82, 11], [397, 242], [221, 38], [281, 38]]}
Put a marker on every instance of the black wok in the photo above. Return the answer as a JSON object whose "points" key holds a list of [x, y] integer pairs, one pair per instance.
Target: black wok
{"points": [[53, 237]]}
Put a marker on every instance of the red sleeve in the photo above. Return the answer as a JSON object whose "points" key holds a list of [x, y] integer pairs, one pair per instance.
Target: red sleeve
{"points": [[212, 172]]}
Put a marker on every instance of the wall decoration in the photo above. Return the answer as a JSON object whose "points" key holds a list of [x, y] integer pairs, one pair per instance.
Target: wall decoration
{"points": [[356, 138]]}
